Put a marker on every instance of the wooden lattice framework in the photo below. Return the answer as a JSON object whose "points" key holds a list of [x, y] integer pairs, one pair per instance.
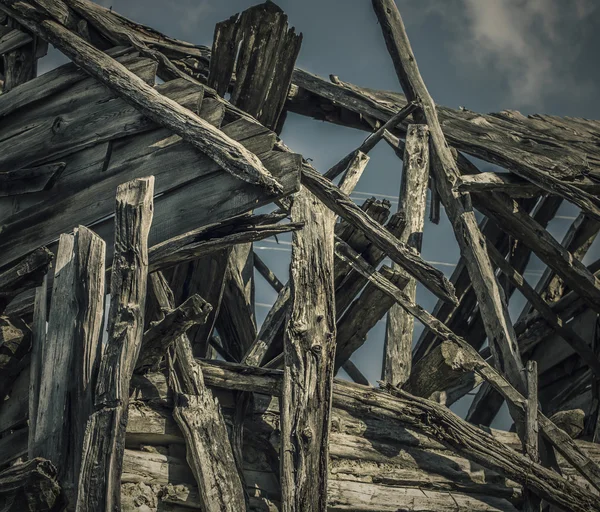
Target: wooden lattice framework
{"points": [[166, 415]]}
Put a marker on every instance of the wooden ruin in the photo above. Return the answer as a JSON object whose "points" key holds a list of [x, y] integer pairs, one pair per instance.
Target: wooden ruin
{"points": [[127, 207]]}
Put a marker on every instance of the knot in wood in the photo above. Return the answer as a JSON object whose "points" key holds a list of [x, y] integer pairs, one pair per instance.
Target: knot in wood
{"points": [[57, 125]]}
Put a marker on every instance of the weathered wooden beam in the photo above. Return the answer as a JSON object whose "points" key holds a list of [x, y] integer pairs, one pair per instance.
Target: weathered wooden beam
{"points": [[197, 413], [363, 314], [355, 374], [24, 275], [215, 237], [353, 171], [532, 502], [38, 342], [161, 336], [458, 206], [342, 205], [229, 154], [309, 350], [510, 184], [102, 451], [371, 141], [571, 337], [413, 202], [13, 40], [32, 485], [512, 219], [27, 181], [19, 64], [470, 360]]}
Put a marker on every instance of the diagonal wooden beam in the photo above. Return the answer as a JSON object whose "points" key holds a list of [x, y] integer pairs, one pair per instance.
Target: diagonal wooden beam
{"points": [[231, 155], [458, 206]]}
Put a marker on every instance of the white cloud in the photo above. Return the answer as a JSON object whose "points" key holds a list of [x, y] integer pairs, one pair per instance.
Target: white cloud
{"points": [[529, 41]]}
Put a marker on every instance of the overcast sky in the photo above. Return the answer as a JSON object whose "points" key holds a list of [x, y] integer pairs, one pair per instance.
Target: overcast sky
{"points": [[486, 55]]}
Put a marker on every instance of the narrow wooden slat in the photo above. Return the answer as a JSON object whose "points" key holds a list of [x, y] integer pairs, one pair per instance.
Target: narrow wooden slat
{"points": [[38, 342], [532, 502]]}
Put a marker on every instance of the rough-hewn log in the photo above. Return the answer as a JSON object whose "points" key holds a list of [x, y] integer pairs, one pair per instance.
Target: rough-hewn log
{"points": [[362, 315], [197, 413], [371, 141], [15, 342], [309, 349], [229, 154], [413, 202], [27, 181], [102, 451], [493, 309], [30, 487], [470, 360], [435, 372], [24, 275], [161, 336], [343, 206]]}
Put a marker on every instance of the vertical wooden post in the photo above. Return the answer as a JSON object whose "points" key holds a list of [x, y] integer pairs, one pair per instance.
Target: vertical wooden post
{"points": [[104, 444], [413, 202], [309, 350], [531, 501]]}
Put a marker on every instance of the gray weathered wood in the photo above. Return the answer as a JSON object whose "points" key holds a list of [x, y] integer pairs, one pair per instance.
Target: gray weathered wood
{"points": [[458, 207], [13, 40], [413, 202], [198, 415], [226, 152], [531, 502], [102, 450], [27, 181], [267, 273], [38, 342], [15, 342], [343, 206], [309, 350], [161, 336], [31, 486]]}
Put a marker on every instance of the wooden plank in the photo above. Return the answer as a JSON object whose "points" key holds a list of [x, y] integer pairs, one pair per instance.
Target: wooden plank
{"points": [[13, 40], [229, 154], [102, 450], [413, 202], [309, 350], [342, 205], [38, 342], [492, 307], [532, 502]]}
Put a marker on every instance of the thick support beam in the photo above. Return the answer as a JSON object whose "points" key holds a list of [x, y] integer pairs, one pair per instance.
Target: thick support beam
{"points": [[532, 502], [413, 202], [198, 415], [231, 155], [458, 206], [102, 451], [309, 350]]}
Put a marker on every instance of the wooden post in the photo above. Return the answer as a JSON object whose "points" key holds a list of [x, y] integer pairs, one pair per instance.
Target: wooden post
{"points": [[458, 206], [102, 452], [413, 202], [198, 415], [531, 501], [309, 350]]}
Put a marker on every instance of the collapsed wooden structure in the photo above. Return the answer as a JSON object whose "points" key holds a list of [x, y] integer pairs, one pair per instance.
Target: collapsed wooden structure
{"points": [[164, 414]]}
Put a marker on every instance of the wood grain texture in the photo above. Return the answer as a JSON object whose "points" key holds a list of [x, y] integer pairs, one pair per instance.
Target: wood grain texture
{"points": [[309, 350], [102, 451], [413, 202]]}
